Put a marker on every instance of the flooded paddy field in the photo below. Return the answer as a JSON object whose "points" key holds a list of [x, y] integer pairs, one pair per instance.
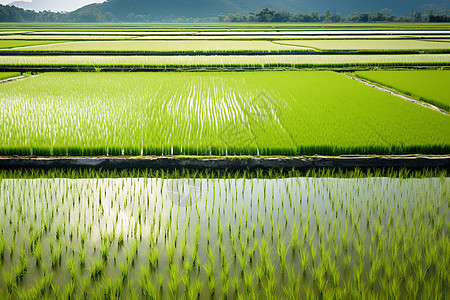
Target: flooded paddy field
{"points": [[204, 235]]}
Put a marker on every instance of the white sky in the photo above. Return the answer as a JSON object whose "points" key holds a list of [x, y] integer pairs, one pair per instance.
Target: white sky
{"points": [[55, 5]]}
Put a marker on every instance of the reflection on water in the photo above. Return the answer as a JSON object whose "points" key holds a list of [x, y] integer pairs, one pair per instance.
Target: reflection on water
{"points": [[299, 236]]}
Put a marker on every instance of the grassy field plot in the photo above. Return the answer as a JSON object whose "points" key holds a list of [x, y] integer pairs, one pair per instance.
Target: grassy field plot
{"points": [[168, 46], [228, 61], [64, 37], [265, 113], [6, 75], [7, 44], [230, 236], [365, 44], [431, 86]]}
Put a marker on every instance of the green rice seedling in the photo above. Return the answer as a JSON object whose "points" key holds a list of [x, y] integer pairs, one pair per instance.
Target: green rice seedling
{"points": [[111, 288], [97, 269], [282, 251], [21, 271], [120, 239], [153, 258], [37, 253], [174, 280], [197, 289], [72, 269], [294, 238], [171, 254], [9, 280], [69, 290]]}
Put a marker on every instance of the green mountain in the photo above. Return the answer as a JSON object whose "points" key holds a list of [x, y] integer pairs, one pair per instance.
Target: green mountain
{"points": [[173, 9]]}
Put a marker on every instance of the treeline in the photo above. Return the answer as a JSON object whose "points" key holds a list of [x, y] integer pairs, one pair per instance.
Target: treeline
{"points": [[15, 14], [385, 15]]}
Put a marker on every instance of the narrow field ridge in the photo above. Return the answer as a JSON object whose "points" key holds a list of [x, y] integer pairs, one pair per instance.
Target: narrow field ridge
{"points": [[424, 104], [120, 163], [12, 79]]}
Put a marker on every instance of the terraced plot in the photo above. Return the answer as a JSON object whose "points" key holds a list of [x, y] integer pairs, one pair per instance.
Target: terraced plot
{"points": [[167, 46], [265, 113], [229, 61], [365, 44], [431, 86], [5, 44]]}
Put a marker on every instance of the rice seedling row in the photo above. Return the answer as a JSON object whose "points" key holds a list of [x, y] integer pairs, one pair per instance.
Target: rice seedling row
{"points": [[231, 61], [258, 113], [369, 44], [209, 236]]}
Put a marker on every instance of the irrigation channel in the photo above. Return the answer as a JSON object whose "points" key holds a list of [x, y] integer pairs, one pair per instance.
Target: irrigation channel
{"points": [[296, 237]]}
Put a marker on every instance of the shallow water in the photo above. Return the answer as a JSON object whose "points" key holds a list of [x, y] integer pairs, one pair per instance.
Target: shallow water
{"points": [[385, 217]]}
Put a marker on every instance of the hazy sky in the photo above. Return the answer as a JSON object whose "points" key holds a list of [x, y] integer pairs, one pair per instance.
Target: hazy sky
{"points": [[54, 5]]}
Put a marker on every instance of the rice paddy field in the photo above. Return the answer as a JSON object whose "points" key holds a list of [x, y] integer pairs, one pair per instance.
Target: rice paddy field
{"points": [[160, 235], [430, 86], [290, 113], [155, 91]]}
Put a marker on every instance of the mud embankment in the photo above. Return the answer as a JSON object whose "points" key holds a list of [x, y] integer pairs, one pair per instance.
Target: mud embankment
{"points": [[119, 163]]}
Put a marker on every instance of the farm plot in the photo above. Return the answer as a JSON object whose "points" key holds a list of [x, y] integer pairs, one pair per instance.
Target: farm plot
{"points": [[5, 44], [258, 113], [168, 46], [7, 75], [226, 61], [64, 37], [365, 44], [429, 85], [215, 237]]}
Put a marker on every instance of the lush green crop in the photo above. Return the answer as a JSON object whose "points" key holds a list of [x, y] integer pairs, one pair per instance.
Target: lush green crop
{"points": [[13, 44], [7, 75], [231, 61], [429, 85], [155, 237], [168, 46], [366, 44], [265, 113], [63, 37]]}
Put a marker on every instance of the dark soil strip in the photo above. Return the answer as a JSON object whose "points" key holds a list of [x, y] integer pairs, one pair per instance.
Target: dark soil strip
{"points": [[211, 69], [120, 163], [211, 53]]}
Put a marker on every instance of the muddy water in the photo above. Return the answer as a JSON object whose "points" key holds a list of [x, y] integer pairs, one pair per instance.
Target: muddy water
{"points": [[162, 214]]}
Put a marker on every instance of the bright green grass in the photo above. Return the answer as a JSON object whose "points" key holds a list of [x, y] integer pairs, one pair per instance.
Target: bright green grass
{"points": [[5, 44], [431, 86], [265, 113], [406, 44], [167, 46], [63, 37], [263, 61], [8, 75]]}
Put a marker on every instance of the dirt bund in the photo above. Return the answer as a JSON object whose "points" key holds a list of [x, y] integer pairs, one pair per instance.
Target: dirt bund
{"points": [[120, 163], [215, 53]]}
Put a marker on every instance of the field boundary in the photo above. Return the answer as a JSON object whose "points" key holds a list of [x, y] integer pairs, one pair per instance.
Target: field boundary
{"points": [[205, 68], [215, 53], [11, 79], [120, 163], [398, 94]]}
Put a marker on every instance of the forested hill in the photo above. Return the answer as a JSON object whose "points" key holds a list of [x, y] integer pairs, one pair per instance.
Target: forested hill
{"points": [[172, 9], [237, 10]]}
